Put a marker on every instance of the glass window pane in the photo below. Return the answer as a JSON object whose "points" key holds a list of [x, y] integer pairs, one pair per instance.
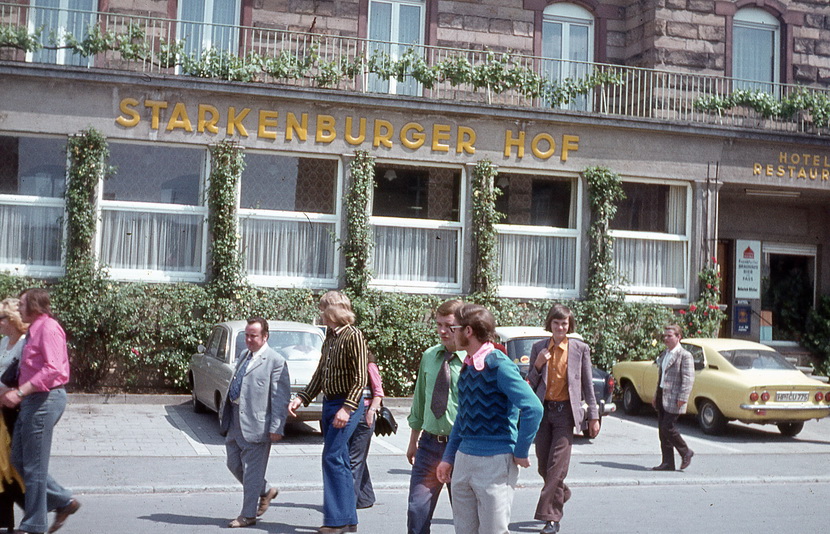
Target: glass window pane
{"points": [[288, 183], [579, 44], [152, 241], [643, 209], [302, 249], [380, 21], [409, 25], [552, 40], [528, 199], [224, 17], [32, 166], [537, 261], [416, 192], [415, 254], [150, 173], [651, 263], [754, 54], [32, 235]]}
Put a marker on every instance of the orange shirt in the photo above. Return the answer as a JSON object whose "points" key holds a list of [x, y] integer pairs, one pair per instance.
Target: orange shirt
{"points": [[556, 388]]}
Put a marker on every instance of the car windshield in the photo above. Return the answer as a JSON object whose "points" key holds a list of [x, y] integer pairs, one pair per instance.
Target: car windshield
{"points": [[756, 359], [519, 347], [293, 345]]}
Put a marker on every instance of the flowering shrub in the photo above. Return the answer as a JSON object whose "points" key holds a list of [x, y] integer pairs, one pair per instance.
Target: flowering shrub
{"points": [[703, 317]]}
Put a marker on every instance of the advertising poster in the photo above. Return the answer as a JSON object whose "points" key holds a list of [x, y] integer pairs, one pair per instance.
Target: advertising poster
{"points": [[747, 269]]}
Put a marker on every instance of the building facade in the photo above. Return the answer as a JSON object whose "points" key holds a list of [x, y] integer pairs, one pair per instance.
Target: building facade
{"points": [[732, 183]]}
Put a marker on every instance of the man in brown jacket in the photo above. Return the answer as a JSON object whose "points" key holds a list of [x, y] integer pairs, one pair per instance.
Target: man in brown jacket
{"points": [[676, 375]]}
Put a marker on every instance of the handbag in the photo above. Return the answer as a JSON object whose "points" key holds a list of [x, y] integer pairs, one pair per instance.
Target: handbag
{"points": [[385, 423], [9, 377]]}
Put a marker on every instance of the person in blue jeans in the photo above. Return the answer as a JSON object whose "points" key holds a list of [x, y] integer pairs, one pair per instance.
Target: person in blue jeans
{"points": [[341, 376], [431, 425]]}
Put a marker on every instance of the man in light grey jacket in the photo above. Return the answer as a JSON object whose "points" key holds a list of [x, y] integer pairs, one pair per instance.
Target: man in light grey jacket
{"points": [[676, 375], [253, 416]]}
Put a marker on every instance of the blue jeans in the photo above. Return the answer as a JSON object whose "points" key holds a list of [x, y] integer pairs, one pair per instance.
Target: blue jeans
{"points": [[424, 487], [339, 504], [31, 448], [358, 454]]}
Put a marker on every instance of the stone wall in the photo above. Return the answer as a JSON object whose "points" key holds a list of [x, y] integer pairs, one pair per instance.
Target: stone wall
{"points": [[478, 24]]}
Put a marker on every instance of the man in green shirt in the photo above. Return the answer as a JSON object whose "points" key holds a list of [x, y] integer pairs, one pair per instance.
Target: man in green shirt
{"points": [[431, 417]]}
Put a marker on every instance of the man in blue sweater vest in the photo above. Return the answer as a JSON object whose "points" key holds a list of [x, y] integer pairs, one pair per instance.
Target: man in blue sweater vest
{"points": [[487, 444]]}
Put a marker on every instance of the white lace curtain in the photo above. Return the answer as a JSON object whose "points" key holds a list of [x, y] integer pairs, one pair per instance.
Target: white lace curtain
{"points": [[302, 249], [32, 235], [537, 261], [152, 241], [416, 254]]}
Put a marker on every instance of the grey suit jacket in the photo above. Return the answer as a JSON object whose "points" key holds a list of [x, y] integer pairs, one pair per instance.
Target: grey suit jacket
{"points": [[680, 376], [263, 401], [580, 380]]}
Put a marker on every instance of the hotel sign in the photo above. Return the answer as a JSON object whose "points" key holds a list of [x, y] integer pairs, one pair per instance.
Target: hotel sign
{"points": [[747, 269], [795, 166]]}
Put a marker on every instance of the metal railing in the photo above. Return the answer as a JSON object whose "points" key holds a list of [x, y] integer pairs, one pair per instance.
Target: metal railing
{"points": [[637, 93]]}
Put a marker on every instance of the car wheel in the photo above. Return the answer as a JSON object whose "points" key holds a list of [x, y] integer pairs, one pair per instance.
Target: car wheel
{"points": [[710, 418], [790, 429], [198, 406], [631, 400]]}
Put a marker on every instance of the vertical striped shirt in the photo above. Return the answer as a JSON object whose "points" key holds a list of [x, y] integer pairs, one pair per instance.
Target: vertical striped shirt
{"points": [[342, 370]]}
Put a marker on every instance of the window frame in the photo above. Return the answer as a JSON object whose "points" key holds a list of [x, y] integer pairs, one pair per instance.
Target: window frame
{"points": [[664, 295], [265, 280], [575, 233], [754, 18], [396, 48], [568, 15], [208, 24], [414, 286], [130, 206], [61, 54]]}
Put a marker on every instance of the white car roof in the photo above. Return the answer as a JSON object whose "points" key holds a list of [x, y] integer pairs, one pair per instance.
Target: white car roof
{"points": [[512, 332], [277, 325]]}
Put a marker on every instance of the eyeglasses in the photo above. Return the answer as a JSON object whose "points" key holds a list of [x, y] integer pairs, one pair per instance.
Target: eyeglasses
{"points": [[455, 327]]}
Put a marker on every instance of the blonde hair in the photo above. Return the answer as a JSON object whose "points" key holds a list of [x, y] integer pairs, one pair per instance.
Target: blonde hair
{"points": [[336, 308], [10, 308]]}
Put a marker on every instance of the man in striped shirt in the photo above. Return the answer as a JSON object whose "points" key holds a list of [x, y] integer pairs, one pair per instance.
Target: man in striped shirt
{"points": [[341, 376]]}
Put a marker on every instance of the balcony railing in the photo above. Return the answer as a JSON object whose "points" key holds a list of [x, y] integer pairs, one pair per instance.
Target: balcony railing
{"points": [[360, 65]]}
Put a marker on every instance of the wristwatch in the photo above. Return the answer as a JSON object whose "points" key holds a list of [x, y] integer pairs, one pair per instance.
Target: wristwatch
{"points": [[19, 393]]}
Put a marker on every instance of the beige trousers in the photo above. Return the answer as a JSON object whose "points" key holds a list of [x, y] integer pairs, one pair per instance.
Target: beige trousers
{"points": [[482, 493]]}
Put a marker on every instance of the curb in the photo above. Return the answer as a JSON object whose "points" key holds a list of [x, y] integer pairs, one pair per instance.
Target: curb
{"points": [[299, 487]]}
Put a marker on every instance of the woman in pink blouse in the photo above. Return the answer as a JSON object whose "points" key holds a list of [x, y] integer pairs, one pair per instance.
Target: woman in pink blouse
{"points": [[362, 437], [41, 397]]}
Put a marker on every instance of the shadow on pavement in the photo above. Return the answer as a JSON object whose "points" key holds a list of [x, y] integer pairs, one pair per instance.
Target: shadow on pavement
{"points": [[618, 465]]}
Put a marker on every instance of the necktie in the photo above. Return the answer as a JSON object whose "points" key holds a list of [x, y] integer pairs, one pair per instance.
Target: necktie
{"points": [[236, 384], [441, 391]]}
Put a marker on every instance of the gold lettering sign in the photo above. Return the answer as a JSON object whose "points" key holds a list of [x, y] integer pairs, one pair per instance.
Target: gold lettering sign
{"points": [[294, 127], [795, 166]]}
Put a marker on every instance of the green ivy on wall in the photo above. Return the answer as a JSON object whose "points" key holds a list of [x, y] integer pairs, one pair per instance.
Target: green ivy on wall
{"points": [[703, 317], [486, 275], [227, 264], [357, 248]]}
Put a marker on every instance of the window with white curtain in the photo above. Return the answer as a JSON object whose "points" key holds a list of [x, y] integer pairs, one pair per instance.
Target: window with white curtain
{"points": [[652, 231], [56, 18], [288, 220], [395, 26], [205, 24], [153, 214], [32, 183], [538, 236], [567, 46], [417, 228], [756, 50]]}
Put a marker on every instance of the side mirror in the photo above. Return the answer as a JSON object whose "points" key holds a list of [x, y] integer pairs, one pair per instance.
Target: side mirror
{"points": [[201, 349]]}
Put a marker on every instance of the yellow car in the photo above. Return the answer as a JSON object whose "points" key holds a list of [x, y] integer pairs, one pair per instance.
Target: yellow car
{"points": [[734, 380]]}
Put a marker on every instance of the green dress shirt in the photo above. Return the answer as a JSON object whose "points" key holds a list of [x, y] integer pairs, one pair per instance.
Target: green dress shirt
{"points": [[420, 415]]}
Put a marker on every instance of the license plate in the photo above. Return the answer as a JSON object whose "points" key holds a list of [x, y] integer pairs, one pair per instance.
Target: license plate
{"points": [[792, 396]]}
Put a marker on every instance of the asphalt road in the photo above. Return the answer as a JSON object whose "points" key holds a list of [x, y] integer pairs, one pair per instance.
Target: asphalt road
{"points": [[160, 468]]}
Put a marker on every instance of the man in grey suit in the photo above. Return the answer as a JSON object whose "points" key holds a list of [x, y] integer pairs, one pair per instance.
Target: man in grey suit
{"points": [[560, 374], [677, 374], [253, 416]]}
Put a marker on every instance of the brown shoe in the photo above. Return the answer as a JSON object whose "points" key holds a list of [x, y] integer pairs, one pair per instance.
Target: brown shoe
{"points": [[687, 459], [242, 521], [62, 513], [265, 501], [343, 529], [663, 467]]}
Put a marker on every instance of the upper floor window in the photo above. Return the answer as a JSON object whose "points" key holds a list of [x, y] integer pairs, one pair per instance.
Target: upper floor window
{"points": [[205, 24], [288, 219], [56, 19], [756, 50], [567, 45], [32, 183], [395, 26]]}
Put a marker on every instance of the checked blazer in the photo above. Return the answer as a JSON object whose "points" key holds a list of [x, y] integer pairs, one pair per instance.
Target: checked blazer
{"points": [[680, 376]]}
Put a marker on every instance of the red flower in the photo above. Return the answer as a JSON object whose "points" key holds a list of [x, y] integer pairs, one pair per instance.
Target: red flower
{"points": [[714, 260], [708, 286], [692, 308], [682, 312], [706, 313]]}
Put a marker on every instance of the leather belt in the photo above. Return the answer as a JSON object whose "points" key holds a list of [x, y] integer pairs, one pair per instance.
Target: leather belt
{"points": [[437, 437]]}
